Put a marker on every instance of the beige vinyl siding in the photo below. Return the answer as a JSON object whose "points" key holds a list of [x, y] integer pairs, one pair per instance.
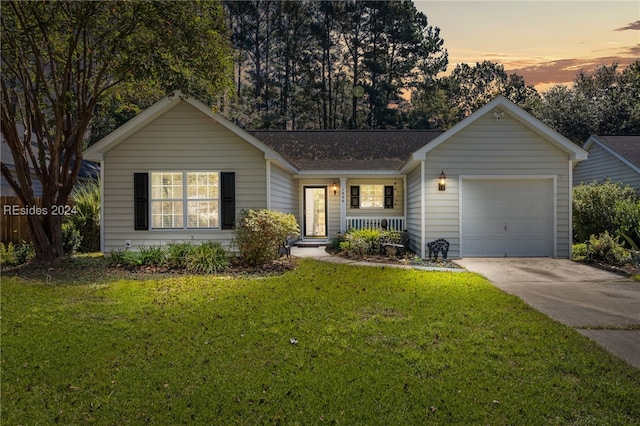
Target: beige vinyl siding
{"points": [[414, 209], [601, 165], [182, 139], [492, 148], [284, 191]]}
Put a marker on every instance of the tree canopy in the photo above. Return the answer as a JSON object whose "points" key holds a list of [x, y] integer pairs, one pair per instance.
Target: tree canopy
{"points": [[603, 102], [329, 64], [61, 59]]}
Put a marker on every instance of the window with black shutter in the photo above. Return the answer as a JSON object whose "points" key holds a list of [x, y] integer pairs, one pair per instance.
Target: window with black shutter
{"points": [[141, 201], [228, 199], [388, 197], [355, 197]]}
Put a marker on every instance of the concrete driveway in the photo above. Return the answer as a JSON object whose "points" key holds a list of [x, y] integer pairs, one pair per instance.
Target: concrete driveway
{"points": [[574, 294]]}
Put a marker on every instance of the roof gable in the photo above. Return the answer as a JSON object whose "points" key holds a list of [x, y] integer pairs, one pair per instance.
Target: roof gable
{"points": [[96, 151], [500, 105], [624, 148]]}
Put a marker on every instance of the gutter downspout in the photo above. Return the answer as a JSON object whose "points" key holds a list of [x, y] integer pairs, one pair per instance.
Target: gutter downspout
{"points": [[570, 183], [268, 183], [102, 206], [343, 205], [423, 207]]}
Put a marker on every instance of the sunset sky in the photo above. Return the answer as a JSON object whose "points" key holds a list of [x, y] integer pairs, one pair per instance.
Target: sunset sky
{"points": [[546, 42]]}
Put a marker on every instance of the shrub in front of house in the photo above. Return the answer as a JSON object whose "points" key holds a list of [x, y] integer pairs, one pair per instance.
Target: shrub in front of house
{"points": [[71, 238], [368, 241], [177, 253], [606, 207], [198, 258], [152, 256], [206, 258], [605, 248], [259, 234], [81, 227], [16, 254], [579, 251]]}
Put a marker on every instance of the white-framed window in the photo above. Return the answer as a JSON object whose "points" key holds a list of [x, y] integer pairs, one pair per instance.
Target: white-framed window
{"points": [[185, 200], [371, 196]]}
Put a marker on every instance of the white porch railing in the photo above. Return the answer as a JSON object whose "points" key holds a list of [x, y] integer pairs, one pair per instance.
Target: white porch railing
{"points": [[393, 223]]}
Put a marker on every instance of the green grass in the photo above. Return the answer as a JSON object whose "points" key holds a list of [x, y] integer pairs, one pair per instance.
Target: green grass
{"points": [[375, 346]]}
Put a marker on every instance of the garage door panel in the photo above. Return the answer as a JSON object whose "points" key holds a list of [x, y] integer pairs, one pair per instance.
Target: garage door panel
{"points": [[507, 217]]}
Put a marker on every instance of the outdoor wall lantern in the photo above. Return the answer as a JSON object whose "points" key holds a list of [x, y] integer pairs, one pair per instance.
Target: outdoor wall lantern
{"points": [[442, 182], [335, 188]]}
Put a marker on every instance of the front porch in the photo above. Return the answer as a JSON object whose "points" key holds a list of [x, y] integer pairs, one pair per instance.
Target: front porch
{"points": [[359, 222]]}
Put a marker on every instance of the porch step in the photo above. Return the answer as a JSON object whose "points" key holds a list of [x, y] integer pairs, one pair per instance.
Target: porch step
{"points": [[309, 245]]}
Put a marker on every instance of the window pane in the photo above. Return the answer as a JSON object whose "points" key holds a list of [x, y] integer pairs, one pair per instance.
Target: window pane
{"points": [[371, 196], [202, 214], [202, 185], [166, 214], [166, 186]]}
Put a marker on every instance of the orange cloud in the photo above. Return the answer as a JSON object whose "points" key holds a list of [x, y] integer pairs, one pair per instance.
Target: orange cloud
{"points": [[564, 71]]}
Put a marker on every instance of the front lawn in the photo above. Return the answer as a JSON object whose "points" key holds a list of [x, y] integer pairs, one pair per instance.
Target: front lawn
{"points": [[325, 343]]}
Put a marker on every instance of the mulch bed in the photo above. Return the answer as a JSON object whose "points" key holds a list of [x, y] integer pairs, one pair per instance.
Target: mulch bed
{"points": [[409, 260], [627, 269]]}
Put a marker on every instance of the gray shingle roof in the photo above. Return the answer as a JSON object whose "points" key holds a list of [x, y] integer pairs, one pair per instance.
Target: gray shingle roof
{"points": [[627, 147], [346, 149]]}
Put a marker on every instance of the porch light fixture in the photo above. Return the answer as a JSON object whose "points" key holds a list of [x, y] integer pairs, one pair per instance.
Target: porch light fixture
{"points": [[335, 188], [442, 181]]}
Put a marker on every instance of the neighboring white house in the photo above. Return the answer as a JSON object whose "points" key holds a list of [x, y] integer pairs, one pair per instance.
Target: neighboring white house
{"points": [[610, 157], [179, 172]]}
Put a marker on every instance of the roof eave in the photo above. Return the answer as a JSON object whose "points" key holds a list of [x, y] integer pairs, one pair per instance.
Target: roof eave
{"points": [[594, 139]]}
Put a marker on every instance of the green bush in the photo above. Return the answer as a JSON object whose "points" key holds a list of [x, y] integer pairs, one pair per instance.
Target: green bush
{"points": [[71, 238], [117, 257], [391, 237], [607, 249], [334, 243], [206, 258], [85, 218], [120, 257], [177, 254], [16, 254], [365, 241], [579, 251], [258, 234], [627, 219], [7, 255], [24, 252], [368, 241], [606, 207], [152, 255]]}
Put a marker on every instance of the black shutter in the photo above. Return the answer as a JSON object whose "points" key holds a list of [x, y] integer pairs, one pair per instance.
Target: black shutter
{"points": [[388, 197], [141, 201], [228, 199], [355, 197]]}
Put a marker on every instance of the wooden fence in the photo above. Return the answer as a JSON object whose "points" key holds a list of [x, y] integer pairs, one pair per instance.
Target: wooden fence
{"points": [[14, 226]]}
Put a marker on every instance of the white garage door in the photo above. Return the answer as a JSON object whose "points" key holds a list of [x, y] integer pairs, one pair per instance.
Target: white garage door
{"points": [[507, 217]]}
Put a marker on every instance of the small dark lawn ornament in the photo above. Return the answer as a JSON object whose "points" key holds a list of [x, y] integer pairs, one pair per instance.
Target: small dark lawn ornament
{"points": [[440, 245], [284, 249]]}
